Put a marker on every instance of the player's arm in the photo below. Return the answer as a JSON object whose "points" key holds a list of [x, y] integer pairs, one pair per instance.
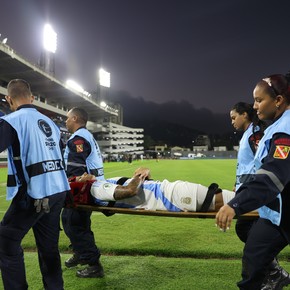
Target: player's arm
{"points": [[104, 190], [129, 190]]}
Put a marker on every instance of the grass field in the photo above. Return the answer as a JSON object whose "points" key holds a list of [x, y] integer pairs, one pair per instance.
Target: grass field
{"points": [[142, 252]]}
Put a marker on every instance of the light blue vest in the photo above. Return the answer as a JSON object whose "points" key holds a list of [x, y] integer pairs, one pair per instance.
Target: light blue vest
{"points": [[94, 160], [40, 155], [245, 164], [282, 125]]}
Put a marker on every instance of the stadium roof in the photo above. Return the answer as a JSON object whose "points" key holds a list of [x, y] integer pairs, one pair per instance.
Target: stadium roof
{"points": [[46, 86]]}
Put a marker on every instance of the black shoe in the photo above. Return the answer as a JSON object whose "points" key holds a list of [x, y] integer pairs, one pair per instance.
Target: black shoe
{"points": [[277, 280], [74, 261], [94, 271]]}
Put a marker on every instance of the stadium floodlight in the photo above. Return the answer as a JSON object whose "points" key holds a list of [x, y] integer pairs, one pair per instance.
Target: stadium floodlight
{"points": [[75, 86], [87, 94], [104, 78], [103, 104], [4, 41], [49, 38]]}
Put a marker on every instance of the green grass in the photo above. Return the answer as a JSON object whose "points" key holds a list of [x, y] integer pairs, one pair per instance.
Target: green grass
{"points": [[142, 252]]}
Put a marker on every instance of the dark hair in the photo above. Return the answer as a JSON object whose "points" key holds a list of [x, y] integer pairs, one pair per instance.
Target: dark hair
{"points": [[19, 88], [277, 84], [242, 107], [81, 113]]}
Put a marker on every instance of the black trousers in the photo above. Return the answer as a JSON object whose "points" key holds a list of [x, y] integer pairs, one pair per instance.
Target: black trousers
{"points": [[243, 228], [77, 226], [17, 221], [264, 243]]}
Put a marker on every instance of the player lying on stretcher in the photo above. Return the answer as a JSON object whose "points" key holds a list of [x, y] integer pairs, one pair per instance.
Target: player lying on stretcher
{"points": [[140, 192]]}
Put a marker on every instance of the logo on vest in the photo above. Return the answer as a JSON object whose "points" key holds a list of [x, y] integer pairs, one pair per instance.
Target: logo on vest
{"points": [[45, 128], [52, 165], [281, 152], [50, 143]]}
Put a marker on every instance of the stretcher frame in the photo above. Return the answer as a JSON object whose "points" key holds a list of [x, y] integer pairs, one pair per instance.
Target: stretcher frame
{"points": [[183, 214]]}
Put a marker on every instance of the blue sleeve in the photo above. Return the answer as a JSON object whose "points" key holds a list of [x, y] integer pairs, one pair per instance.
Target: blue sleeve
{"points": [[271, 179]]}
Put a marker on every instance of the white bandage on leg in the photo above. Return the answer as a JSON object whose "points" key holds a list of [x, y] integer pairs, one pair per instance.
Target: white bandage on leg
{"points": [[103, 190], [227, 195]]}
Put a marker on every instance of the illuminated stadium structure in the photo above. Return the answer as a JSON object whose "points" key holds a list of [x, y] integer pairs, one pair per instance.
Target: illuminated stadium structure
{"points": [[116, 139], [54, 98]]}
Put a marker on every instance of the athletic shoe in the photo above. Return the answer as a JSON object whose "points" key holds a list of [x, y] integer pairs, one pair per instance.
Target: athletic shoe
{"points": [[94, 271], [74, 261], [277, 281]]}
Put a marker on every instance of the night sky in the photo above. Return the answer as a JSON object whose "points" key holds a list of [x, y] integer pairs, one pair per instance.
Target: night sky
{"points": [[209, 54]]}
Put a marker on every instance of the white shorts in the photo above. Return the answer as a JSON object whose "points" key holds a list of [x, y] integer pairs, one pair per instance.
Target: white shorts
{"points": [[186, 195]]}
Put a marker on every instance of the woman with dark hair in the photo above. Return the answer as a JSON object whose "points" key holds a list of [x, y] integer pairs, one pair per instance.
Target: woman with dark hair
{"points": [[269, 189], [244, 118]]}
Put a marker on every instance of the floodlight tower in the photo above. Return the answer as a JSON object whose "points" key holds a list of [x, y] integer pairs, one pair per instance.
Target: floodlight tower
{"points": [[104, 83], [103, 87], [47, 58], [104, 78]]}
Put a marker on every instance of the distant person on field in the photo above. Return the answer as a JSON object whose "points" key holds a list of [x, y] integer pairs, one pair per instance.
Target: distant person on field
{"points": [[37, 186], [130, 159], [157, 157]]}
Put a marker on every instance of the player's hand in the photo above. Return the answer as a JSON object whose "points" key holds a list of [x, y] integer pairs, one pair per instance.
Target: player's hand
{"points": [[224, 217], [85, 177], [143, 173]]}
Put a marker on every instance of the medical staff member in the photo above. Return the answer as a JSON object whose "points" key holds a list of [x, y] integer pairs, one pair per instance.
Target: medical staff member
{"points": [[37, 186], [269, 190], [244, 118], [82, 154]]}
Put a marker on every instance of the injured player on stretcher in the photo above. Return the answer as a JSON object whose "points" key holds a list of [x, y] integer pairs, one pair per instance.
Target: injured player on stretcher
{"points": [[140, 192]]}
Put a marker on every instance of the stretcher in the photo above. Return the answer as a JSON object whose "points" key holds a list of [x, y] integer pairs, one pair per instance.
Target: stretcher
{"points": [[183, 214], [80, 198]]}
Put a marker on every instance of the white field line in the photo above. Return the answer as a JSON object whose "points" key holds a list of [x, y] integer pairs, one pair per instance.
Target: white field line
{"points": [[120, 170]]}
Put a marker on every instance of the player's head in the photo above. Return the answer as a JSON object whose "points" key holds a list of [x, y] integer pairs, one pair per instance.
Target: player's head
{"points": [[76, 118], [242, 114], [19, 93], [271, 96]]}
